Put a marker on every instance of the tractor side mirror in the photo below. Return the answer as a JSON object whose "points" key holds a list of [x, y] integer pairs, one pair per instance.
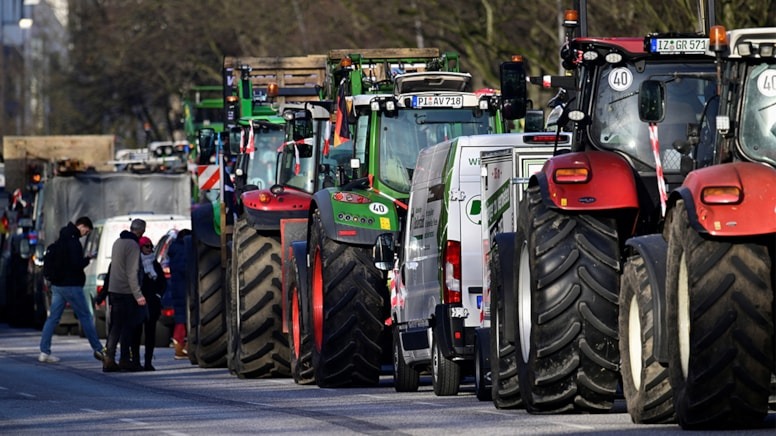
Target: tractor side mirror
{"points": [[652, 101], [206, 141], [383, 252], [513, 89]]}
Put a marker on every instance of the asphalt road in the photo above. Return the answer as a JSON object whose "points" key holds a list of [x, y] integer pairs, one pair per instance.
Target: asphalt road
{"points": [[74, 396]]}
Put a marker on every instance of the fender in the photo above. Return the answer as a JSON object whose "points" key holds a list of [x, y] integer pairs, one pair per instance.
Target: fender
{"points": [[653, 249], [203, 226], [359, 236], [755, 214], [299, 257], [264, 210], [610, 184], [507, 256]]}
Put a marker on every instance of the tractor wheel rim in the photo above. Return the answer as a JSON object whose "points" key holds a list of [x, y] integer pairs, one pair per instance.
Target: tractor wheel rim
{"points": [[524, 303], [296, 325], [317, 302], [634, 342]]}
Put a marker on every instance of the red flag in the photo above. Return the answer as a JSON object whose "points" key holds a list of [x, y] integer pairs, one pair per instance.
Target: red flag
{"points": [[341, 130]]}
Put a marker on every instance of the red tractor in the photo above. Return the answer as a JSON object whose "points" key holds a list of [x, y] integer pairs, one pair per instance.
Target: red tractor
{"points": [[699, 298], [555, 319]]}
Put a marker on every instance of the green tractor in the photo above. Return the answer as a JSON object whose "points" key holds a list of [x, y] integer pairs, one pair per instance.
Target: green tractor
{"points": [[391, 104]]}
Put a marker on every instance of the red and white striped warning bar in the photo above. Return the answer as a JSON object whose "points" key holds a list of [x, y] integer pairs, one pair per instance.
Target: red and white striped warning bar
{"points": [[207, 177]]}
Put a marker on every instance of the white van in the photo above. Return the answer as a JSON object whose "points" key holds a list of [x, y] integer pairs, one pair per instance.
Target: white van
{"points": [[101, 239], [437, 287]]}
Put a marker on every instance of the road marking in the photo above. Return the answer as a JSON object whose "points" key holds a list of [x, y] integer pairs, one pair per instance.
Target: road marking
{"points": [[259, 404], [3, 388], [496, 412], [133, 421], [91, 411], [25, 394], [377, 397], [174, 433], [429, 404], [577, 426]]}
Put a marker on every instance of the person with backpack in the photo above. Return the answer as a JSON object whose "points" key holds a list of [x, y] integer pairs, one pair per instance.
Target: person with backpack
{"points": [[64, 265]]}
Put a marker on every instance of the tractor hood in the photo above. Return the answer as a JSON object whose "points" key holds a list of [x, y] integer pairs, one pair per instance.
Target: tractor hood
{"points": [[432, 81]]}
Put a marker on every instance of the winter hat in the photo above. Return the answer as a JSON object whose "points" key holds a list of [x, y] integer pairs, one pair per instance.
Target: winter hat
{"points": [[145, 241]]}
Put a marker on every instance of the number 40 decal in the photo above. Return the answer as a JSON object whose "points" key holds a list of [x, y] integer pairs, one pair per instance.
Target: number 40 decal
{"points": [[378, 208]]}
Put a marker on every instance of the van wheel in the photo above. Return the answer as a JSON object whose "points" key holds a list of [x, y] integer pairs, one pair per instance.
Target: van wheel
{"points": [[262, 348], [300, 342], [482, 385], [445, 373], [348, 311], [405, 377], [645, 381], [720, 295], [211, 347], [505, 388], [568, 310]]}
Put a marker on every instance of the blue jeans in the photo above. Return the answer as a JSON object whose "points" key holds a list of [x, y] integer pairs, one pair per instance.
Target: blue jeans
{"points": [[75, 296]]}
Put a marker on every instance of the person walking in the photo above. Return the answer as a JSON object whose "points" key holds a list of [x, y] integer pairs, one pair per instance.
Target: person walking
{"points": [[124, 296], [153, 287], [67, 286], [177, 255]]}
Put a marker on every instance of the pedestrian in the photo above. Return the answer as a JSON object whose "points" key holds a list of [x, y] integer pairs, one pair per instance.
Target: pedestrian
{"points": [[178, 264], [67, 286], [153, 287], [125, 297]]}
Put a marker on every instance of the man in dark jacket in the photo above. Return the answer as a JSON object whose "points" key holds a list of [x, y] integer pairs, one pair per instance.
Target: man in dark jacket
{"points": [[125, 297], [68, 287]]}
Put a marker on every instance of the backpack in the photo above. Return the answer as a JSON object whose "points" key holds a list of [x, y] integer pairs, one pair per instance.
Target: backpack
{"points": [[54, 262]]}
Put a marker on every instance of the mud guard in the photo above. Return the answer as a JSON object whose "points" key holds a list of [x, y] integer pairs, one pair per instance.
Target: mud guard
{"points": [[299, 253], [202, 225], [596, 193], [506, 255], [322, 203], [721, 219], [291, 230], [653, 249]]}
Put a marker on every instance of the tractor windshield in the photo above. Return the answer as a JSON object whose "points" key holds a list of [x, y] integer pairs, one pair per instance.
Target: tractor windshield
{"points": [[261, 166], [404, 134], [615, 123], [758, 116]]}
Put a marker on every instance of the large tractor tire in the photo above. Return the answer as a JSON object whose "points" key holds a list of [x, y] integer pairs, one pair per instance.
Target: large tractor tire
{"points": [[231, 313], [721, 341], [300, 340], [505, 388], [645, 382], [348, 312], [567, 303], [405, 377], [212, 340], [262, 347], [192, 300]]}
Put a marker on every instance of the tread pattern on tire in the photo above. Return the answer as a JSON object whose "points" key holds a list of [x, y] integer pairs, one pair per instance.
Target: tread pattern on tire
{"points": [[354, 310], [445, 373], [505, 390], [262, 348], [574, 354], [405, 377], [652, 401], [730, 283], [212, 339]]}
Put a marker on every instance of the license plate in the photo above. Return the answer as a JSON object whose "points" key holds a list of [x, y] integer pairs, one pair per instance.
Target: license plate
{"points": [[455, 101], [678, 45]]}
